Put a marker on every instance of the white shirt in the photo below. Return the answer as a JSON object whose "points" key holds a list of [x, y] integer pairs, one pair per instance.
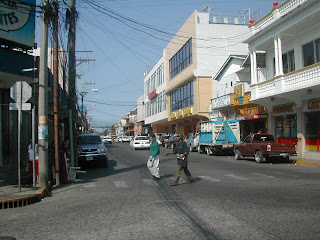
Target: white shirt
{"points": [[30, 152]]}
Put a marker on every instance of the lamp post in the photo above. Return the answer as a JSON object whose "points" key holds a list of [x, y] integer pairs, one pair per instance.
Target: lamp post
{"points": [[83, 116]]}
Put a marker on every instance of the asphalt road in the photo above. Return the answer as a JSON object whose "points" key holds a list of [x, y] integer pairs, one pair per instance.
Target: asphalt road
{"points": [[230, 200]]}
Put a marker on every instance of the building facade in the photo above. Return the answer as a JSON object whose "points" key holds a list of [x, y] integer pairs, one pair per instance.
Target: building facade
{"points": [[155, 97], [193, 57], [289, 85]]}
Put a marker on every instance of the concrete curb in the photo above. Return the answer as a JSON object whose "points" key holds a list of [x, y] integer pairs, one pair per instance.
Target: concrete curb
{"points": [[306, 163], [22, 199]]}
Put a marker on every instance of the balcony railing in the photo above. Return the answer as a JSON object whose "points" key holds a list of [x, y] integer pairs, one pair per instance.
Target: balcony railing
{"points": [[303, 78], [276, 13]]}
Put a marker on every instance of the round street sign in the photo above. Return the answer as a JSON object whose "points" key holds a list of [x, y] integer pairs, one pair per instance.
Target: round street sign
{"points": [[21, 91]]}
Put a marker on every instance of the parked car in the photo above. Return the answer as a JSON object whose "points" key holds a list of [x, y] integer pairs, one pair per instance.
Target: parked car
{"points": [[171, 142], [140, 142], [125, 139], [163, 139], [107, 140], [192, 141], [263, 146], [91, 150]]}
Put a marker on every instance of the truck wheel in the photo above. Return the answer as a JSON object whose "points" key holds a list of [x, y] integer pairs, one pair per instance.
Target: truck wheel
{"points": [[190, 149], [208, 150], [237, 154], [258, 157], [199, 149]]}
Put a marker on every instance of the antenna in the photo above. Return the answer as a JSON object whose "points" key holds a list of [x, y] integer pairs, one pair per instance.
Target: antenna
{"points": [[207, 7]]}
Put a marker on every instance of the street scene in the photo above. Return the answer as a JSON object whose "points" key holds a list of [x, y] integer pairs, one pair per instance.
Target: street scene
{"points": [[229, 200], [159, 119]]}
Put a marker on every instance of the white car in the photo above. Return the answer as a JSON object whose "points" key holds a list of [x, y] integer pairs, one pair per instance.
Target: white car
{"points": [[107, 140], [125, 139], [140, 142]]}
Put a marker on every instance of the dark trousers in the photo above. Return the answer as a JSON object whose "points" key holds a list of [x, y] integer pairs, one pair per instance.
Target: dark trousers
{"points": [[179, 172]]}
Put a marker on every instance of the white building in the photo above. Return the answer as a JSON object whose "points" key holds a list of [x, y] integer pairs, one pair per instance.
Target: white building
{"points": [[289, 86], [155, 96], [193, 57]]}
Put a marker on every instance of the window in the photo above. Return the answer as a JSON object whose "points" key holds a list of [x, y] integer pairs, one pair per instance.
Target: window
{"points": [[288, 62], [181, 60], [182, 97], [248, 139], [286, 129], [308, 54]]}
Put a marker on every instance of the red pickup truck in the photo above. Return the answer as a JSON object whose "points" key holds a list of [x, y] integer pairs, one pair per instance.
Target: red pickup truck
{"points": [[263, 146]]}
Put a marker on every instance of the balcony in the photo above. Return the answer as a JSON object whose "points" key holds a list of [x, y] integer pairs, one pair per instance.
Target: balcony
{"points": [[307, 77], [275, 14]]}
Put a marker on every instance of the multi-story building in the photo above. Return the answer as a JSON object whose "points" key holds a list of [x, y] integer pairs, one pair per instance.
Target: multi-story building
{"points": [[155, 97], [289, 85], [193, 57]]}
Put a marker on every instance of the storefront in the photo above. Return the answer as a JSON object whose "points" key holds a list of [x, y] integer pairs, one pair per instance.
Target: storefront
{"points": [[312, 125], [285, 123]]}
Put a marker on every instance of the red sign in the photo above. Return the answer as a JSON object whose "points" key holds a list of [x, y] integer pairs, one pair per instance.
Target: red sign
{"points": [[153, 94], [251, 117]]}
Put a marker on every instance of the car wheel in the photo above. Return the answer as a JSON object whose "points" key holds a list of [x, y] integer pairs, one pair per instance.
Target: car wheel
{"points": [[237, 154], [258, 157]]}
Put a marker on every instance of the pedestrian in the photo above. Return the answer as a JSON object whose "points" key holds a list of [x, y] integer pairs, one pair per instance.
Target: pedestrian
{"points": [[30, 157], [153, 161], [182, 151]]}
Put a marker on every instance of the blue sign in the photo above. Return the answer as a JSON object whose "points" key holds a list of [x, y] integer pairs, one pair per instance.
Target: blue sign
{"points": [[17, 22]]}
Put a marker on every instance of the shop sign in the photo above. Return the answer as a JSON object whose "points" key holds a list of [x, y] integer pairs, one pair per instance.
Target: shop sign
{"points": [[220, 102], [251, 117], [173, 115], [283, 109], [314, 104], [239, 100], [252, 111], [187, 111], [227, 113], [18, 22], [238, 90], [179, 113], [152, 95]]}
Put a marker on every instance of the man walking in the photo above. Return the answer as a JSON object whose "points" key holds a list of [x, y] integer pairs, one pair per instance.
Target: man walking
{"points": [[153, 161], [182, 151]]}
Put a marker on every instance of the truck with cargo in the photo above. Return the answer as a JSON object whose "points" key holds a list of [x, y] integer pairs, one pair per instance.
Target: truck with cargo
{"points": [[218, 136]]}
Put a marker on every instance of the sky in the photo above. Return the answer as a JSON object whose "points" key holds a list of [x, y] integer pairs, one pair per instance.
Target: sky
{"points": [[124, 38]]}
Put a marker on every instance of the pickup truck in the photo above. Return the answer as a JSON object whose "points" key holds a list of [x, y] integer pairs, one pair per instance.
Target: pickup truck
{"points": [[263, 147]]}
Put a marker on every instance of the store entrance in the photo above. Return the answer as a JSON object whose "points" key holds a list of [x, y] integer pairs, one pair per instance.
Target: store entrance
{"points": [[252, 126]]}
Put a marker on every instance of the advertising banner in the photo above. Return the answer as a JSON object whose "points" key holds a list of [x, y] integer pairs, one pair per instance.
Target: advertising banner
{"points": [[17, 23]]}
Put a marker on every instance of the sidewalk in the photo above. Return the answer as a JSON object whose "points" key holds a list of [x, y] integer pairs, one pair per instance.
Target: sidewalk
{"points": [[10, 197], [304, 161]]}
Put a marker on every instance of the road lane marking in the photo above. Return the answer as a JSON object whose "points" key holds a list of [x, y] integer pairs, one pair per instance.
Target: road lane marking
{"points": [[120, 184], [263, 175], [150, 182], [236, 177], [208, 178]]}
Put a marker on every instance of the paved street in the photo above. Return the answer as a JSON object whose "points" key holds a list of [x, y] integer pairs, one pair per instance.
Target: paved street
{"points": [[230, 200]]}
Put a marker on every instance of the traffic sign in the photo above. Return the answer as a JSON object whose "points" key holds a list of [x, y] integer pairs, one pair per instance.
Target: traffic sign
{"points": [[21, 92], [16, 106]]}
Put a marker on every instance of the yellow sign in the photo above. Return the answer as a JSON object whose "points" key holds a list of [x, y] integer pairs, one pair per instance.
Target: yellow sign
{"points": [[252, 111], [283, 109], [238, 90], [173, 115], [179, 113], [187, 111], [236, 100]]}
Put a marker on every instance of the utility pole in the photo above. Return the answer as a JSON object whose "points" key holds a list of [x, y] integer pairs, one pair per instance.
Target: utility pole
{"points": [[72, 82], [55, 91], [43, 96]]}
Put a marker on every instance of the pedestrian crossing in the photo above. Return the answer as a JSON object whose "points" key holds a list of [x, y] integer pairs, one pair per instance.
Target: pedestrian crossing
{"points": [[226, 177]]}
